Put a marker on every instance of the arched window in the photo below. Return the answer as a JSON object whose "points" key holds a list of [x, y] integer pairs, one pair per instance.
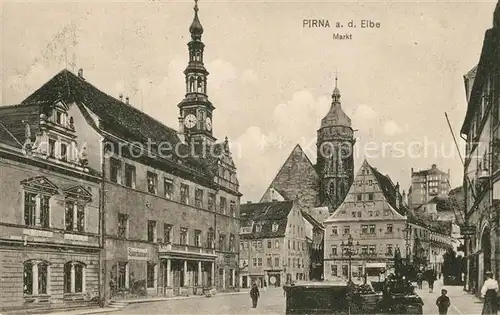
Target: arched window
{"points": [[210, 238], [74, 277], [191, 84], [28, 278], [200, 85], [331, 189], [35, 277], [342, 190]]}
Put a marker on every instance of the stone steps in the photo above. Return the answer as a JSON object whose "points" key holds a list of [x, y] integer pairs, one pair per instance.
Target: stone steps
{"points": [[46, 309]]}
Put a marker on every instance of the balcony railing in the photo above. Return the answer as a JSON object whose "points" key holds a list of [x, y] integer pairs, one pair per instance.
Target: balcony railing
{"points": [[168, 248]]}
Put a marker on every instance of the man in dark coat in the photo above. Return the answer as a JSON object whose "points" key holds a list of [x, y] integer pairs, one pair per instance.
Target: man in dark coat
{"points": [[254, 294]]}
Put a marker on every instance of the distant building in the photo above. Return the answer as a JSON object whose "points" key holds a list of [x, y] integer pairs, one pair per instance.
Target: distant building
{"points": [[427, 184], [374, 216], [315, 232], [428, 240], [273, 244]]}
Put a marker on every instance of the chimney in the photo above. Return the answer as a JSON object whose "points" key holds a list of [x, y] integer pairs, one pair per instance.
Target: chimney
{"points": [[80, 73], [126, 100], [120, 97], [412, 171], [398, 196], [180, 133]]}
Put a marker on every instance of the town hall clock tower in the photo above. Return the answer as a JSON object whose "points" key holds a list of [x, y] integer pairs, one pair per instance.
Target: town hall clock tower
{"points": [[195, 120]]}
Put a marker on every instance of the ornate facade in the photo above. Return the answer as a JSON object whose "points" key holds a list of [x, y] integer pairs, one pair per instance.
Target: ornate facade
{"points": [[96, 209]]}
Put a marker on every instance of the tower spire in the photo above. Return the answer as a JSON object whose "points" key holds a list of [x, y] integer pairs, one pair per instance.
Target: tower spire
{"points": [[196, 29], [336, 91]]}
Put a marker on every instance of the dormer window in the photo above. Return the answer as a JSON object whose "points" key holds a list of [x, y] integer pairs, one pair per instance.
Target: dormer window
{"points": [[275, 227], [258, 228], [59, 118]]}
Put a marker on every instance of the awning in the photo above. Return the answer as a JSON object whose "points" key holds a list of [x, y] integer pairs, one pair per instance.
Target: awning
{"points": [[376, 265]]}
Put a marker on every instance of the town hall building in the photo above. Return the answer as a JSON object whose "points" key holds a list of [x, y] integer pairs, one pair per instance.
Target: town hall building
{"points": [[93, 208]]}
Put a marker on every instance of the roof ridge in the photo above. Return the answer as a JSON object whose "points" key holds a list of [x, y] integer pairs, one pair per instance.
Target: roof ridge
{"points": [[74, 76]]}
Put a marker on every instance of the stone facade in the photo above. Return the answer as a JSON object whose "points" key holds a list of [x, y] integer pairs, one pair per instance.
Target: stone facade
{"points": [[50, 232]]}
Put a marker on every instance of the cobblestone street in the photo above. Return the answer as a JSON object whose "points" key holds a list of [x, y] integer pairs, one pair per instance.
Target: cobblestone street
{"points": [[272, 301], [461, 302]]}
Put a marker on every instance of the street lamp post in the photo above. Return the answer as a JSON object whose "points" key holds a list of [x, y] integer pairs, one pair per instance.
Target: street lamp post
{"points": [[407, 231], [349, 249]]}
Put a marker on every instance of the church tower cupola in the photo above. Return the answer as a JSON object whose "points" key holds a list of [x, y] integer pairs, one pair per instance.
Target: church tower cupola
{"points": [[196, 29], [335, 153], [195, 109]]}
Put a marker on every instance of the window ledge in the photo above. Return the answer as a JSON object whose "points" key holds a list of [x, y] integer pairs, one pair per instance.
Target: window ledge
{"points": [[74, 296], [36, 298]]}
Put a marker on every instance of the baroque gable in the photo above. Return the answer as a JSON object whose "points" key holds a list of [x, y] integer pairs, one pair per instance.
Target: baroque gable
{"points": [[40, 184], [369, 198]]}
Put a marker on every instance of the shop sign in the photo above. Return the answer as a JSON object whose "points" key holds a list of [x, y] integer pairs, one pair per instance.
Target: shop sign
{"points": [[468, 230], [137, 253]]}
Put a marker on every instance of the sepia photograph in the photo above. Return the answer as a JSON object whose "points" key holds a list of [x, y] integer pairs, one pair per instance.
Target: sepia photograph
{"points": [[249, 157]]}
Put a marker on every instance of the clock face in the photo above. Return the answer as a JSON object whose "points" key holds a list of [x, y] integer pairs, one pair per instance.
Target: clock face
{"points": [[190, 121], [209, 123]]}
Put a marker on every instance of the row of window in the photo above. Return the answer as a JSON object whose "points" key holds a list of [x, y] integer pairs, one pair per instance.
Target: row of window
{"points": [[365, 229], [365, 250], [292, 262], [358, 214], [168, 188], [345, 271], [36, 278], [362, 183], [365, 197], [183, 238], [37, 212], [295, 245]]}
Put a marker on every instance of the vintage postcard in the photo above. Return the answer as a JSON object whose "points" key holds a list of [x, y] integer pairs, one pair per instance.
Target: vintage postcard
{"points": [[249, 157]]}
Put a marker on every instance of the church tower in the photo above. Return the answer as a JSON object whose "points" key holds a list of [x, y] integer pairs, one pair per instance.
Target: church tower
{"points": [[335, 154], [195, 120]]}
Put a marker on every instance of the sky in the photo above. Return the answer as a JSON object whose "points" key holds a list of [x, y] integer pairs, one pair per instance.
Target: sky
{"points": [[271, 78]]}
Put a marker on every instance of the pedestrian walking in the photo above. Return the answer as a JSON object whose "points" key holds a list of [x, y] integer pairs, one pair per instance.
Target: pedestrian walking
{"points": [[431, 277], [443, 302], [254, 294], [489, 294], [420, 279]]}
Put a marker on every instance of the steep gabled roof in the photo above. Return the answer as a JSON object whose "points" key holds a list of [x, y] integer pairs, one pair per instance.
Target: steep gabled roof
{"points": [[297, 177], [130, 122], [385, 186], [115, 117], [389, 190], [265, 214], [309, 218]]}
